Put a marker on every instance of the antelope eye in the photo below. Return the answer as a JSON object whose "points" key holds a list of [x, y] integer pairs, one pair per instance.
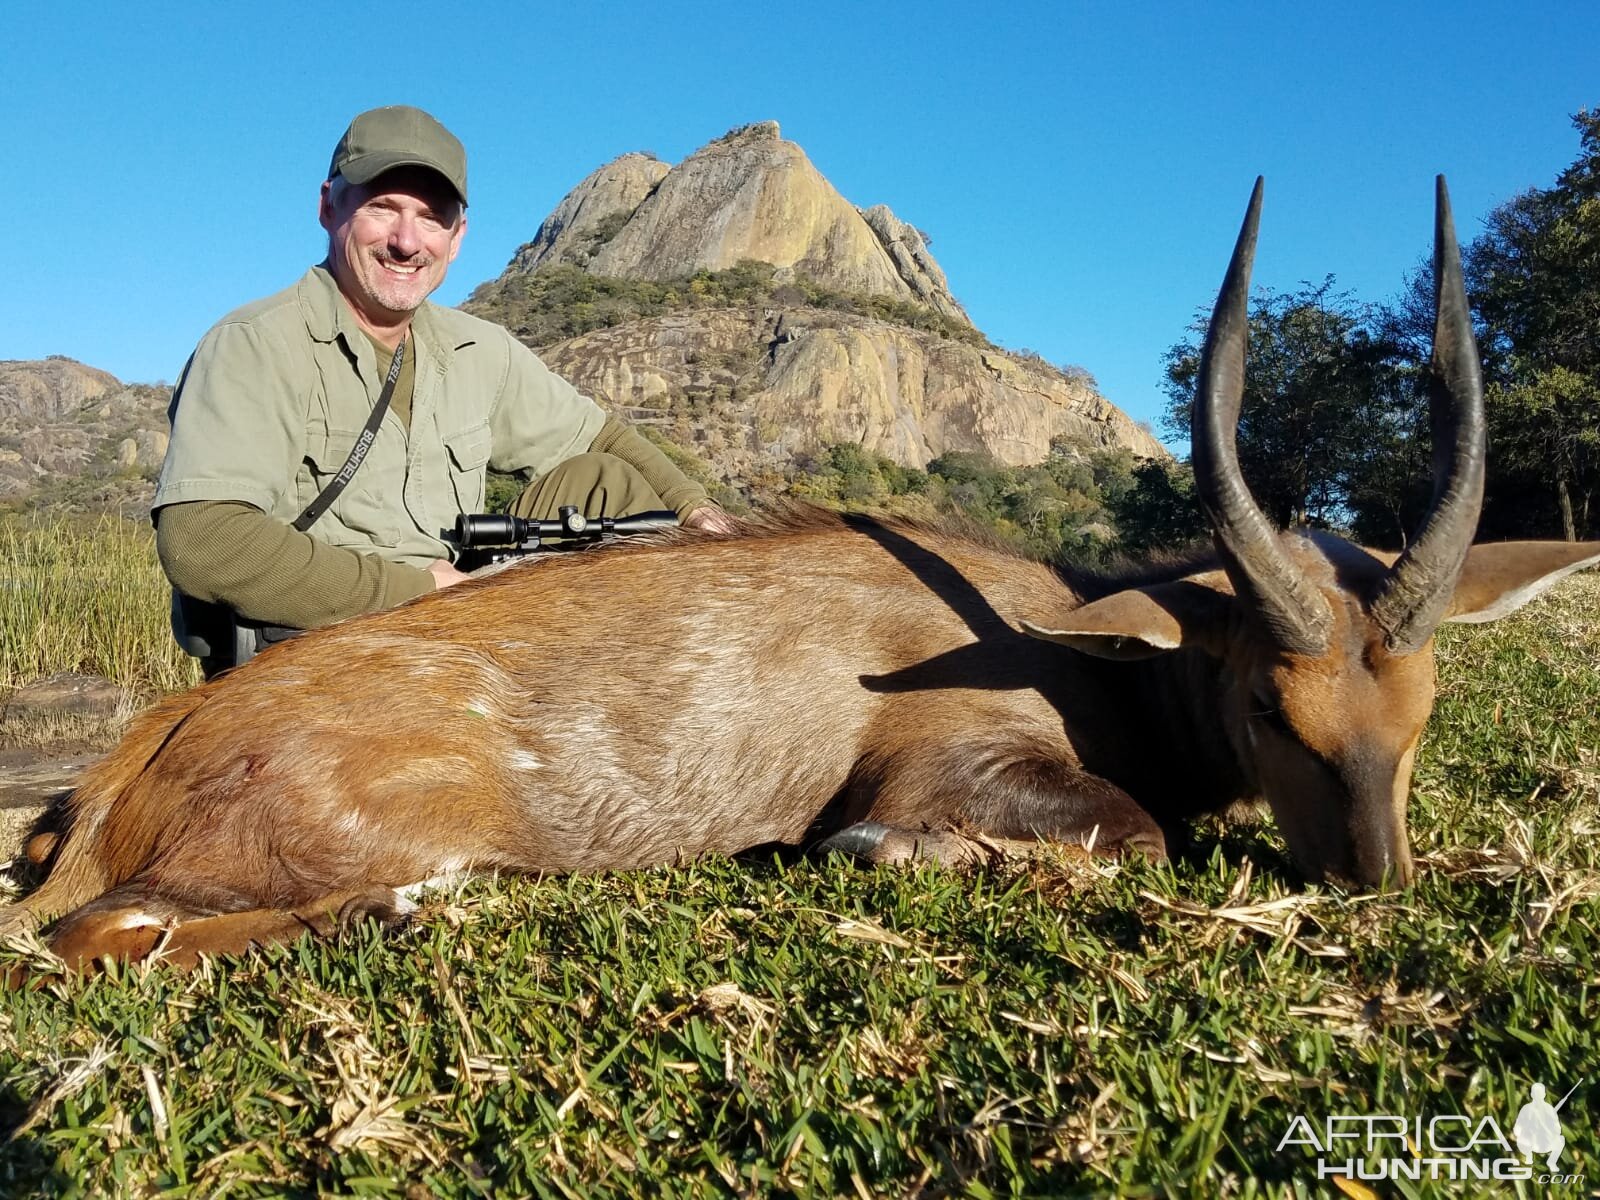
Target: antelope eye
{"points": [[1265, 711]]}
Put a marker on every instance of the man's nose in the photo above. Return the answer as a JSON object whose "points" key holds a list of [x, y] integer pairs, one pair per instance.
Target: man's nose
{"points": [[405, 238]]}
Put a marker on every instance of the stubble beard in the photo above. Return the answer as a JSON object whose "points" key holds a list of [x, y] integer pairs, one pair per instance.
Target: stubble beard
{"points": [[399, 294]]}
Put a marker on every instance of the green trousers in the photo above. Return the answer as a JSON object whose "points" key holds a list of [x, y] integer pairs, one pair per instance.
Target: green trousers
{"points": [[597, 485]]}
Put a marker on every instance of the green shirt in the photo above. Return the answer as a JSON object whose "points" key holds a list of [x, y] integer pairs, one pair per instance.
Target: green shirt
{"points": [[276, 394]]}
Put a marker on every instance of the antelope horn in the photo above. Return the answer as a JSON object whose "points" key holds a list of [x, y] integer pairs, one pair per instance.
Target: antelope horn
{"points": [[1263, 577], [1413, 596]]}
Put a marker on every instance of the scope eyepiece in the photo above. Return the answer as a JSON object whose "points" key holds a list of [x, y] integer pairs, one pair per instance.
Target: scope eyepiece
{"points": [[489, 529]]}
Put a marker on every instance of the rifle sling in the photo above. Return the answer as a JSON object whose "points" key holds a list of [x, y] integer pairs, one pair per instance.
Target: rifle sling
{"points": [[358, 452]]}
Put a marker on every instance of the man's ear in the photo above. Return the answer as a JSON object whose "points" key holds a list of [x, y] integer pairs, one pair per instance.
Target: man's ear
{"points": [[460, 232], [1141, 622], [1500, 577], [325, 214]]}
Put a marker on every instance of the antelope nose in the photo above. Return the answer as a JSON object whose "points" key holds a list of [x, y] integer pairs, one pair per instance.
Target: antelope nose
{"points": [[1393, 872]]}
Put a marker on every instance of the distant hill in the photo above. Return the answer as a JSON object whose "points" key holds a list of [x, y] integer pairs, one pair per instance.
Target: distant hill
{"points": [[749, 196], [78, 435], [738, 303]]}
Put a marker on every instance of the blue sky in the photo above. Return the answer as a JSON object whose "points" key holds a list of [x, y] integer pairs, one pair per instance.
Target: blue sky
{"points": [[1082, 169]]}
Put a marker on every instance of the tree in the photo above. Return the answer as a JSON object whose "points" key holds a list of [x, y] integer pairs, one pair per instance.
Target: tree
{"points": [[1320, 380], [1159, 511], [1534, 281]]}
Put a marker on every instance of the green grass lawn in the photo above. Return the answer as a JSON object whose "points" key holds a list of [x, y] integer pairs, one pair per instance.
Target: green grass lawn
{"points": [[755, 1028]]}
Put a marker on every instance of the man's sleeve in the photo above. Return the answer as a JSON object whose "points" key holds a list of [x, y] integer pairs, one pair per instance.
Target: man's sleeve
{"points": [[238, 422], [677, 491], [268, 571], [541, 420], [538, 419]]}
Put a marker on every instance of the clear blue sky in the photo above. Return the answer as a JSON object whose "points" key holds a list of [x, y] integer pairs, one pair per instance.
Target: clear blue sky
{"points": [[1081, 168]]}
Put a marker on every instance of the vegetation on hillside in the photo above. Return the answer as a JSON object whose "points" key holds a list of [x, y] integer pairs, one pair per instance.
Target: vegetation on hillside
{"points": [[1075, 506], [563, 301]]}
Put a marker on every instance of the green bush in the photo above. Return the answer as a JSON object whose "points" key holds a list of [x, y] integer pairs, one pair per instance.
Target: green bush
{"points": [[559, 302]]}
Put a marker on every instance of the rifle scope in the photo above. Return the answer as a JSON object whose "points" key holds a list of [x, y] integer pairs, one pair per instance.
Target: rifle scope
{"points": [[477, 530]]}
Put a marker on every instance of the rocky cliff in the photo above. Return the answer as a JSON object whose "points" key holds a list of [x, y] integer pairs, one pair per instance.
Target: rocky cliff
{"points": [[748, 196], [846, 332], [72, 432], [751, 389]]}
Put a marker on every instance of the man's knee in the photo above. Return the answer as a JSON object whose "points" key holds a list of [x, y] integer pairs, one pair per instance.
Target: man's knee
{"points": [[596, 484]]}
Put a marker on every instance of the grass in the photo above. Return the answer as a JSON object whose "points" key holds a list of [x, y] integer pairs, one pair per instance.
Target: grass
{"points": [[86, 594], [761, 1028]]}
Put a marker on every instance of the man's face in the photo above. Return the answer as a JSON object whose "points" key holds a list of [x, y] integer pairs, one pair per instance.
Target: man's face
{"points": [[391, 241]]}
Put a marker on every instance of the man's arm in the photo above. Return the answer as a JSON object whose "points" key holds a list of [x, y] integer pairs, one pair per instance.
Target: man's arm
{"points": [[238, 438], [267, 571], [677, 491]]}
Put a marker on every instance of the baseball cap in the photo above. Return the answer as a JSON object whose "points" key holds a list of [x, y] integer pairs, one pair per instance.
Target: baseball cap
{"points": [[398, 135]]}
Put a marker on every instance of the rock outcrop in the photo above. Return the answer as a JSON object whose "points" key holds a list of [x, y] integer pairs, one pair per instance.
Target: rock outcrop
{"points": [[49, 389], [70, 431], [752, 384], [592, 213], [749, 195], [749, 390]]}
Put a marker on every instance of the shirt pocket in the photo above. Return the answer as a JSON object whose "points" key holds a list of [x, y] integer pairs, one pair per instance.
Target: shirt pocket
{"points": [[469, 459], [361, 514]]}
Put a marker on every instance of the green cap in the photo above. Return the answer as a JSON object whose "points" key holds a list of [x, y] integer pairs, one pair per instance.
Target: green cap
{"points": [[382, 139]]}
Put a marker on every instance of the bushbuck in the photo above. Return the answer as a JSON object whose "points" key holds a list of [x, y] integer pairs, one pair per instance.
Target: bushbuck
{"points": [[886, 688]]}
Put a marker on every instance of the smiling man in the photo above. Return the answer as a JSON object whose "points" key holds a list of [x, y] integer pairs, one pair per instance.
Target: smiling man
{"points": [[276, 399]]}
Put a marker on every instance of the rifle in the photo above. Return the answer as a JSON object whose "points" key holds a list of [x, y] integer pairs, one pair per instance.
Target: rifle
{"points": [[484, 538], [221, 639]]}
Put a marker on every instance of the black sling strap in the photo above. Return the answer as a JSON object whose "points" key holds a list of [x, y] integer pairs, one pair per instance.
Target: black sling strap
{"points": [[358, 452]]}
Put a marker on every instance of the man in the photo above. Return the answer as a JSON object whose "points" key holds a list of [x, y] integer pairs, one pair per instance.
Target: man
{"points": [[274, 400]]}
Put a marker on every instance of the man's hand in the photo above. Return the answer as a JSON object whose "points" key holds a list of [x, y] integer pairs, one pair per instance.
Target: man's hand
{"points": [[444, 573], [712, 518]]}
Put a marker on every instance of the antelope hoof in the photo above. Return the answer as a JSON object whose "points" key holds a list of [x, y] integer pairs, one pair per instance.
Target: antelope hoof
{"points": [[40, 847], [1150, 843], [861, 840], [874, 842], [380, 905]]}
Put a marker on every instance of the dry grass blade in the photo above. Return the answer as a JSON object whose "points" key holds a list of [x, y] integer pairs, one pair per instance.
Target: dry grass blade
{"points": [[73, 1080], [158, 1106], [1359, 1191], [1048, 1028], [867, 931]]}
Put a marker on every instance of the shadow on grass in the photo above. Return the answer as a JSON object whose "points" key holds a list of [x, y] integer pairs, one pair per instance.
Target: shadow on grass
{"points": [[27, 1166]]}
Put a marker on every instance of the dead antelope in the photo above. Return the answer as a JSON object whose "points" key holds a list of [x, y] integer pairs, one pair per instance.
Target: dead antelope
{"points": [[819, 680]]}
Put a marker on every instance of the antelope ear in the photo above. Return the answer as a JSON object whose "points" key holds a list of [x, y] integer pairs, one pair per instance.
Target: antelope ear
{"points": [[1141, 622], [1500, 577]]}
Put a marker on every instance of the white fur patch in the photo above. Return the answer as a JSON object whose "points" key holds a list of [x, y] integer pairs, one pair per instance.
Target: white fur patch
{"points": [[522, 760], [136, 920]]}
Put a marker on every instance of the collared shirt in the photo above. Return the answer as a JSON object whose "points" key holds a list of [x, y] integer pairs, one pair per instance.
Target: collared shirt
{"points": [[275, 396]]}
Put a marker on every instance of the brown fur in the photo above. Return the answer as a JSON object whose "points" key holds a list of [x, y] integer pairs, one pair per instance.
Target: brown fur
{"points": [[814, 677]]}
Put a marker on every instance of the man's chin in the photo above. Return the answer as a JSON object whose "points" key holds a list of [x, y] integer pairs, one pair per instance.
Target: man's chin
{"points": [[399, 302]]}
